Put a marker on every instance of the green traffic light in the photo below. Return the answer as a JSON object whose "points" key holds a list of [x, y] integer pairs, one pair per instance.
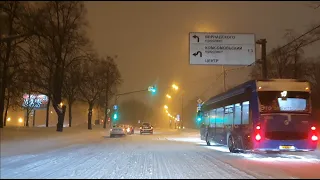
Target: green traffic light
{"points": [[153, 90], [115, 116], [199, 119]]}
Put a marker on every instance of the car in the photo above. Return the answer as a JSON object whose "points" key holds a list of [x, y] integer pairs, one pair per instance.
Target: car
{"points": [[146, 128], [129, 129], [118, 130]]}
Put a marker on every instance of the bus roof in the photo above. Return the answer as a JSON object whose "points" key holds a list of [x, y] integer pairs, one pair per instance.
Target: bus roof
{"points": [[262, 85]]}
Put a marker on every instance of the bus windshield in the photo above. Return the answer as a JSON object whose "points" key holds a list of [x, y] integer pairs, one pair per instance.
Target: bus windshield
{"points": [[284, 101]]}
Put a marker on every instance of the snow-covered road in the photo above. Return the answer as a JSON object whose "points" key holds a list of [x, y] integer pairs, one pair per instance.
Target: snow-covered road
{"points": [[165, 154]]}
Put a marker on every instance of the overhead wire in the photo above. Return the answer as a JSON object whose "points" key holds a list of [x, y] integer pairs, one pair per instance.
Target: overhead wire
{"points": [[304, 34]]}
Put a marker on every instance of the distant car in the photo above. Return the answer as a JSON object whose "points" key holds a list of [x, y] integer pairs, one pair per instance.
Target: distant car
{"points": [[118, 130], [146, 128], [129, 129]]}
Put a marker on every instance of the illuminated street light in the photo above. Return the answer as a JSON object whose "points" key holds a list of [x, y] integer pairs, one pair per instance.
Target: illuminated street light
{"points": [[20, 120], [168, 96], [8, 119], [61, 104], [167, 111], [165, 106], [175, 87]]}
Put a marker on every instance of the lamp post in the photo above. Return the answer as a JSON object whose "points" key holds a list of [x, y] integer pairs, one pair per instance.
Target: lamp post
{"points": [[176, 88]]}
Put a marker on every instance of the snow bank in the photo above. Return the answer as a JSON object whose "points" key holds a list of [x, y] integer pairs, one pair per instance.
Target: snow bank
{"points": [[21, 140]]}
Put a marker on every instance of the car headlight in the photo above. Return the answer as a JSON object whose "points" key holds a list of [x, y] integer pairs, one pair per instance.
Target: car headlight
{"points": [[128, 129]]}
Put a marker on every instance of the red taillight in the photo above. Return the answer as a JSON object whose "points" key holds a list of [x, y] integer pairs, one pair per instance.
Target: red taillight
{"points": [[313, 128], [257, 132], [314, 138], [258, 137]]}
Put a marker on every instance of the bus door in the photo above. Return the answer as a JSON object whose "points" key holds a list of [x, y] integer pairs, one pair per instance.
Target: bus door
{"points": [[219, 129]]}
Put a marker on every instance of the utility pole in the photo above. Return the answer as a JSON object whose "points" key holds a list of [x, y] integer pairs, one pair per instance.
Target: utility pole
{"points": [[224, 79], [263, 43], [151, 88], [181, 116]]}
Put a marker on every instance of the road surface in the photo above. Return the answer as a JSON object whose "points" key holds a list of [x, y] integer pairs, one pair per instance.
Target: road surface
{"points": [[165, 154]]}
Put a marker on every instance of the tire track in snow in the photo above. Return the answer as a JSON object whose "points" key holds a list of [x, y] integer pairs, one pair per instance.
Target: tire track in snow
{"points": [[21, 168], [50, 166]]}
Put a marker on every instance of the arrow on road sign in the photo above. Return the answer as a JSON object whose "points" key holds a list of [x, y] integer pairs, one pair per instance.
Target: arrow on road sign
{"points": [[196, 37], [198, 52]]}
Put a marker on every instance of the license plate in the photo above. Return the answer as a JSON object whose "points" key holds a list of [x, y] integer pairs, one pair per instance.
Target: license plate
{"points": [[286, 147]]}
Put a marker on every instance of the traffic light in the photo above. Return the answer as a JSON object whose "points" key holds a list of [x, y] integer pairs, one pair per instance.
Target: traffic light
{"points": [[152, 89], [199, 116], [115, 116]]}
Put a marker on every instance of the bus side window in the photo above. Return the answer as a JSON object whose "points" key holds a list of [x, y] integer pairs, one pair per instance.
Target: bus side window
{"points": [[237, 112], [245, 112], [213, 118]]}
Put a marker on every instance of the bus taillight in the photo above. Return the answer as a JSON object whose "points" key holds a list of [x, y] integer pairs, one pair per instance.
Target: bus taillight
{"points": [[258, 137], [314, 138]]}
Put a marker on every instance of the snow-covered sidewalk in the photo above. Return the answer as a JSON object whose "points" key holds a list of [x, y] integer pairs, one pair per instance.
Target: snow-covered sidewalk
{"points": [[22, 140]]}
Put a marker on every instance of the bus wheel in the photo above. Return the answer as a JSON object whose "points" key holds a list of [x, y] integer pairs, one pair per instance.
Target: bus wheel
{"points": [[231, 144], [207, 141]]}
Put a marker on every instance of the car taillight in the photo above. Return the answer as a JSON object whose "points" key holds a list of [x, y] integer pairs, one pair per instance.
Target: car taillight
{"points": [[313, 128], [258, 127], [314, 138]]}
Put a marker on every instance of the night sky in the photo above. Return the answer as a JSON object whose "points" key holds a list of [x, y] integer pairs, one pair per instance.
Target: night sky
{"points": [[151, 39]]}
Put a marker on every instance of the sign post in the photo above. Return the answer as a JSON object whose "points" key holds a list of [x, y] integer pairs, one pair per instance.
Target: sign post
{"points": [[221, 49]]}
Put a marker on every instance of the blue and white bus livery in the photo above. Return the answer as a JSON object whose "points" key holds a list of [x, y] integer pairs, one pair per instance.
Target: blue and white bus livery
{"points": [[263, 115]]}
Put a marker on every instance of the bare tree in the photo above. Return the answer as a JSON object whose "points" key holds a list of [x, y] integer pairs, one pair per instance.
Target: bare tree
{"points": [[14, 92], [12, 14], [93, 84], [314, 4], [70, 87], [286, 61], [113, 79], [60, 42]]}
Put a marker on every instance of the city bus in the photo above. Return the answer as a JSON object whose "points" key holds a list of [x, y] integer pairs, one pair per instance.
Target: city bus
{"points": [[261, 115]]}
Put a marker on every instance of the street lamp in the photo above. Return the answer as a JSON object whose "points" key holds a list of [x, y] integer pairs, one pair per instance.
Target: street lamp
{"points": [[175, 87], [168, 96], [165, 106], [8, 119], [20, 120]]}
